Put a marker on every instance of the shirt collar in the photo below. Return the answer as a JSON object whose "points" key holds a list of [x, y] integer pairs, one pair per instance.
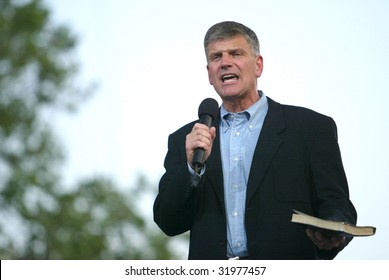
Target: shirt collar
{"points": [[252, 113]]}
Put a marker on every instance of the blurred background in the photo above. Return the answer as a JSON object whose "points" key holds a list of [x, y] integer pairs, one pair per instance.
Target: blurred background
{"points": [[90, 91]]}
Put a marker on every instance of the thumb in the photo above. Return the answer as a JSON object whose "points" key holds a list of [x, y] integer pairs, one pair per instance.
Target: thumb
{"points": [[212, 130]]}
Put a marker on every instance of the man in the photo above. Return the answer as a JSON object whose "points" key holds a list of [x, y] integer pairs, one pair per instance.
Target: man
{"points": [[263, 160]]}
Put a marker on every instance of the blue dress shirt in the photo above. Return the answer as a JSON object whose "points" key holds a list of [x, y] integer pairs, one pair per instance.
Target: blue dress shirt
{"points": [[239, 133]]}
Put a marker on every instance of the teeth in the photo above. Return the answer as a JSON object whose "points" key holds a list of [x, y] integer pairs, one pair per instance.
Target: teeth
{"points": [[228, 76]]}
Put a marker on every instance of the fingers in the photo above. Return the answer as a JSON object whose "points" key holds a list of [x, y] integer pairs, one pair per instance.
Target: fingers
{"points": [[323, 242], [200, 137]]}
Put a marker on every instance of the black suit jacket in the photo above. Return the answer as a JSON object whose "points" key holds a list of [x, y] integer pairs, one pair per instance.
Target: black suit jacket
{"points": [[296, 165]]}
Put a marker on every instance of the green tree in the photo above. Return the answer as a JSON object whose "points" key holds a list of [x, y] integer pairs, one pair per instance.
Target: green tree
{"points": [[39, 217]]}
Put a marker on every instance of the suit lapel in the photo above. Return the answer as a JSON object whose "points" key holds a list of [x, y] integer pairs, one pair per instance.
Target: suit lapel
{"points": [[214, 167], [268, 143]]}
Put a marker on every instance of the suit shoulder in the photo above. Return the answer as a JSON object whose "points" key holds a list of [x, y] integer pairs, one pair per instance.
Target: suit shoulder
{"points": [[303, 114], [302, 111], [308, 120], [184, 130], [300, 117]]}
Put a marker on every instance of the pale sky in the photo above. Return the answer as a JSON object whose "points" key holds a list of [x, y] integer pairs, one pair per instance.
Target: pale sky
{"points": [[147, 56]]}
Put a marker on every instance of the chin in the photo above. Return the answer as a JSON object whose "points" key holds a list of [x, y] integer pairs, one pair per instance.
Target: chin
{"points": [[229, 94]]}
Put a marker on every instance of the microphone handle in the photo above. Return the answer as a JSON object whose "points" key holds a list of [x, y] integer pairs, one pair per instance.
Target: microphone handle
{"points": [[199, 153]]}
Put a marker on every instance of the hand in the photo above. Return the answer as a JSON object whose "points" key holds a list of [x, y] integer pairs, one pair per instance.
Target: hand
{"points": [[200, 137], [325, 242]]}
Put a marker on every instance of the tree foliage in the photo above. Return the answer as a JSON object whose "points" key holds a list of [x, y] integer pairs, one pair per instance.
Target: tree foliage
{"points": [[39, 217]]}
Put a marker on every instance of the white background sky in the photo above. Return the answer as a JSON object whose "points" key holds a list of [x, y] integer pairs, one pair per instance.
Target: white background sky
{"points": [[147, 56]]}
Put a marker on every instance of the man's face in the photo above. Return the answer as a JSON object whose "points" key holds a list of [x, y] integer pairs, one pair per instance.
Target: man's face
{"points": [[233, 68]]}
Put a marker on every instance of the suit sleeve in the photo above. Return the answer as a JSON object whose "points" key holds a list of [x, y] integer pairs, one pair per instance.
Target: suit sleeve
{"points": [[330, 191], [174, 204]]}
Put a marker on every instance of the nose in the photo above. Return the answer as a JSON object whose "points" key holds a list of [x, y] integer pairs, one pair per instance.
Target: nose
{"points": [[226, 60]]}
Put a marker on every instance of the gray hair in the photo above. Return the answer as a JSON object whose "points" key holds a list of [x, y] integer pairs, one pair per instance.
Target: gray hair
{"points": [[227, 29]]}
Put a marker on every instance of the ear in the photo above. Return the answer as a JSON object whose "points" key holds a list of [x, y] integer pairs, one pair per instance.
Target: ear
{"points": [[209, 76], [258, 66]]}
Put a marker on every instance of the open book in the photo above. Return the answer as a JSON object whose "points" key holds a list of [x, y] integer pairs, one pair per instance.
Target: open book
{"points": [[334, 226]]}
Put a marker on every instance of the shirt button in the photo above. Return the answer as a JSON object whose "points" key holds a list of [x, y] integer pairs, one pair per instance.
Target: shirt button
{"points": [[237, 133], [235, 214], [235, 186]]}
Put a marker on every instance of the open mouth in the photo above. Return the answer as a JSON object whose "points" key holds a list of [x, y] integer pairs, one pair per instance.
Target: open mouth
{"points": [[229, 77]]}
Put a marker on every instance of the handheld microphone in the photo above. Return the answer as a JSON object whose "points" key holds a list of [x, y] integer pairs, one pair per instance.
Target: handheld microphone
{"points": [[208, 111]]}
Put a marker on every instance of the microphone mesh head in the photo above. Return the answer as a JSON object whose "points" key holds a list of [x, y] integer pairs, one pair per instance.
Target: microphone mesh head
{"points": [[209, 106]]}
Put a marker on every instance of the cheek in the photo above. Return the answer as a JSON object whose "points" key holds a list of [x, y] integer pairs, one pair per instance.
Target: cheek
{"points": [[211, 77]]}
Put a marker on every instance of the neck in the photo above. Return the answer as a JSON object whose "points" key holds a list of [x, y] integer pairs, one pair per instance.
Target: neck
{"points": [[235, 105]]}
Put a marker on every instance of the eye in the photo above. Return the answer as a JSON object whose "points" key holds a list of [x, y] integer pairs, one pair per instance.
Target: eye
{"points": [[237, 53], [216, 57]]}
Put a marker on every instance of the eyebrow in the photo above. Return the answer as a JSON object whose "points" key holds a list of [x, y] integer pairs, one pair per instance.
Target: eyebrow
{"points": [[227, 50]]}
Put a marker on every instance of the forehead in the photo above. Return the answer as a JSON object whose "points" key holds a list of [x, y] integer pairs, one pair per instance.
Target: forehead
{"points": [[231, 43]]}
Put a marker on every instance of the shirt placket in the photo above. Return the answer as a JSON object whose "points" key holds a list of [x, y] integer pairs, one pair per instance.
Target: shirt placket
{"points": [[237, 183]]}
